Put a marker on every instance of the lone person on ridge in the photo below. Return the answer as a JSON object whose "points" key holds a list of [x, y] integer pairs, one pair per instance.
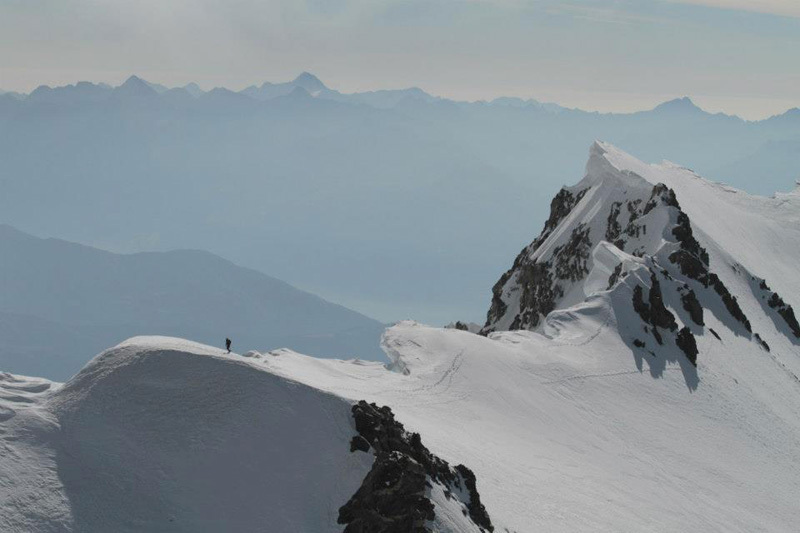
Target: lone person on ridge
{"points": [[228, 344]]}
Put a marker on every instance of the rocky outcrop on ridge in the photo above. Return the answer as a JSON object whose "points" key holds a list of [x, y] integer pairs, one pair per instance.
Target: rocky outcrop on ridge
{"points": [[395, 494]]}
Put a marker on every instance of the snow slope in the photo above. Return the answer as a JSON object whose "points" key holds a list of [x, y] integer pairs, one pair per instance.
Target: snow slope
{"points": [[163, 434], [160, 434], [567, 425]]}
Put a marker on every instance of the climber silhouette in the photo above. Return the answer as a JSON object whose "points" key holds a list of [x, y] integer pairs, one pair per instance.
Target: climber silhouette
{"points": [[228, 344]]}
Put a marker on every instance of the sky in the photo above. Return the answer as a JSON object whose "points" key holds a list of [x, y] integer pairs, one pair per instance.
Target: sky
{"points": [[735, 56]]}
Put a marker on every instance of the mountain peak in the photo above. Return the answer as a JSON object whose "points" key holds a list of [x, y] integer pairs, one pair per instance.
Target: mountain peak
{"points": [[193, 89], [309, 82], [679, 105], [134, 81], [135, 85]]}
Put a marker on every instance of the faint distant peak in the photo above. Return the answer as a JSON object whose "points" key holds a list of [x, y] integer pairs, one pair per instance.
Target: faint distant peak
{"points": [[679, 105], [135, 81], [135, 86], [790, 115], [309, 82], [193, 89]]}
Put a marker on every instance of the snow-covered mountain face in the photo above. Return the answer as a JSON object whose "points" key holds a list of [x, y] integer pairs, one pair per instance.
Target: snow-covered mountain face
{"points": [[621, 238], [580, 421]]}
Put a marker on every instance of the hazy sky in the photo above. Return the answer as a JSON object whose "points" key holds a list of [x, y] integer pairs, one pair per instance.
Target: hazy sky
{"points": [[737, 56]]}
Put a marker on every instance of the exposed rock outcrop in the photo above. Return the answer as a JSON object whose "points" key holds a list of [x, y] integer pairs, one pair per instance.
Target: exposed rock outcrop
{"points": [[784, 310], [535, 279], [688, 345], [394, 497], [692, 306], [653, 312]]}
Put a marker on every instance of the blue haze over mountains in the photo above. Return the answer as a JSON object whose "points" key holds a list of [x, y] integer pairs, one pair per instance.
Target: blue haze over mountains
{"points": [[395, 203], [61, 303]]}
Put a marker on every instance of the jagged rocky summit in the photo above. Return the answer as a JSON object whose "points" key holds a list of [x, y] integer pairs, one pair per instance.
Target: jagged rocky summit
{"points": [[621, 236]]}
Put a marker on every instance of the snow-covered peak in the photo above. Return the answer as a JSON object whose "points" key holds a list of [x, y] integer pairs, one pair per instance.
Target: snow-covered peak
{"points": [[609, 165], [193, 89], [624, 237]]}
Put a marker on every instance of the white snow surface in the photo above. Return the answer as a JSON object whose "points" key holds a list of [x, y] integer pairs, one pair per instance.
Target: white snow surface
{"points": [[565, 427], [161, 434]]}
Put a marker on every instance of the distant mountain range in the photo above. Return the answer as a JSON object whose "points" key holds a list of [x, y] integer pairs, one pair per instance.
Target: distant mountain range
{"points": [[309, 83], [61, 303], [396, 202]]}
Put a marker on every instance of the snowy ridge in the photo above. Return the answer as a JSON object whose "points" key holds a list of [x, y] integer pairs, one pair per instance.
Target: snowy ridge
{"points": [[159, 434], [163, 434], [621, 233], [577, 419]]}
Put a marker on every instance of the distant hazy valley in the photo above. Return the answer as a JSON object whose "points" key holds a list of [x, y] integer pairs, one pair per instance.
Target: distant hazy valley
{"points": [[394, 203]]}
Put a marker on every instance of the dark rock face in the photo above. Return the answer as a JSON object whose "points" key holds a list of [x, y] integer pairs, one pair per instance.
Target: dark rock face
{"points": [[476, 509], [693, 261], [572, 258], [653, 312], [692, 306], [761, 341], [539, 292], [392, 498], [560, 206], [683, 232], [614, 229], [688, 345], [659, 314], [614, 277], [633, 229], [689, 265], [359, 443], [782, 308], [661, 194], [498, 307], [731, 304], [786, 312], [539, 295], [691, 258]]}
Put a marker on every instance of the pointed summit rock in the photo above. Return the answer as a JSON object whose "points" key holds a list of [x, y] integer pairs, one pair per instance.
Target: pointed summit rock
{"points": [[678, 105], [135, 87], [309, 82]]}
